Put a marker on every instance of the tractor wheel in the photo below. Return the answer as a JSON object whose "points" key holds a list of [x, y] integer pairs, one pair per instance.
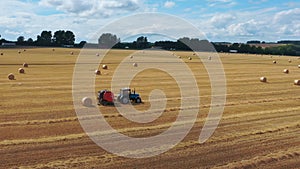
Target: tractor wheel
{"points": [[100, 102], [104, 103], [125, 100], [138, 100]]}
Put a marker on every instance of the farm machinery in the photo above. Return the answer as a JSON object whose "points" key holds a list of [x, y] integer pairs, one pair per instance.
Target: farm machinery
{"points": [[106, 97], [127, 95]]}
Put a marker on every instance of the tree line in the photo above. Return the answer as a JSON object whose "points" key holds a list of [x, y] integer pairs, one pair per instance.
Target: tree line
{"points": [[108, 40], [291, 48], [287, 49], [47, 39]]}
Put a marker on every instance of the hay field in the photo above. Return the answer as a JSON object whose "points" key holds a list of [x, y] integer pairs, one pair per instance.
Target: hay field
{"points": [[260, 127]]}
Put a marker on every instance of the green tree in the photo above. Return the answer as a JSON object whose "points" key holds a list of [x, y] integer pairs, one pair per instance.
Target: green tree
{"points": [[70, 38], [59, 37], [142, 42], [20, 40], [108, 40], [44, 39], [62, 37], [30, 42]]}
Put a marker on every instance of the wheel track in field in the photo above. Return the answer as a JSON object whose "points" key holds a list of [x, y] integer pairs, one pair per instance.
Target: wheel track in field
{"points": [[62, 91], [108, 160], [235, 147], [137, 129], [253, 101], [264, 159], [69, 119]]}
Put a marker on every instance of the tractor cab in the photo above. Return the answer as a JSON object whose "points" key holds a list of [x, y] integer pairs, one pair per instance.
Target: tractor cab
{"points": [[125, 92], [126, 95]]}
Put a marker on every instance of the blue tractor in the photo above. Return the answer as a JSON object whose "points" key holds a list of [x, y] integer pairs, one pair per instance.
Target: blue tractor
{"points": [[127, 95]]}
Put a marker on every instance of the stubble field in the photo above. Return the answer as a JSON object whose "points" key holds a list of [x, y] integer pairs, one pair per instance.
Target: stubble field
{"points": [[260, 127]]}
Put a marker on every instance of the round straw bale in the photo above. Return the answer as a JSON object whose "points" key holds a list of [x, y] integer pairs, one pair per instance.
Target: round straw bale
{"points": [[97, 54], [53, 49], [86, 101], [97, 72], [179, 57], [297, 82], [72, 53], [131, 57], [190, 58], [298, 66], [1, 54], [286, 71], [209, 58], [135, 64], [274, 62], [290, 61], [19, 51], [11, 76], [21, 70], [25, 65], [263, 79], [104, 67]]}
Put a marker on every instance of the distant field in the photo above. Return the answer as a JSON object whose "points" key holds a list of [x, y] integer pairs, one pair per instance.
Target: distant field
{"points": [[267, 45], [260, 127]]}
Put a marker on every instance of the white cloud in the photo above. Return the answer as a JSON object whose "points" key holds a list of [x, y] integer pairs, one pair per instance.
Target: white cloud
{"points": [[187, 9], [287, 22], [92, 7], [287, 16], [221, 3], [257, 1], [85, 19], [222, 20], [169, 4], [10, 32], [249, 28]]}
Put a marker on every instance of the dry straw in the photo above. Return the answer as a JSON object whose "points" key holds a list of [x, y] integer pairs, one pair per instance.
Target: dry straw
{"points": [[97, 72], [21, 70], [25, 65], [86, 101], [104, 67], [11, 76], [286, 71], [263, 79]]}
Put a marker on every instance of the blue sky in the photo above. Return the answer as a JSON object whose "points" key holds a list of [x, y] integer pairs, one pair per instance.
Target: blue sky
{"points": [[219, 20]]}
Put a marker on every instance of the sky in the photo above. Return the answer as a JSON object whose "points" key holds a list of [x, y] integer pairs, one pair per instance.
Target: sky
{"points": [[219, 20]]}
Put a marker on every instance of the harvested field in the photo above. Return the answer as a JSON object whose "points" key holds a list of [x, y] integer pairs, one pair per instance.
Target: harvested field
{"points": [[260, 127]]}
